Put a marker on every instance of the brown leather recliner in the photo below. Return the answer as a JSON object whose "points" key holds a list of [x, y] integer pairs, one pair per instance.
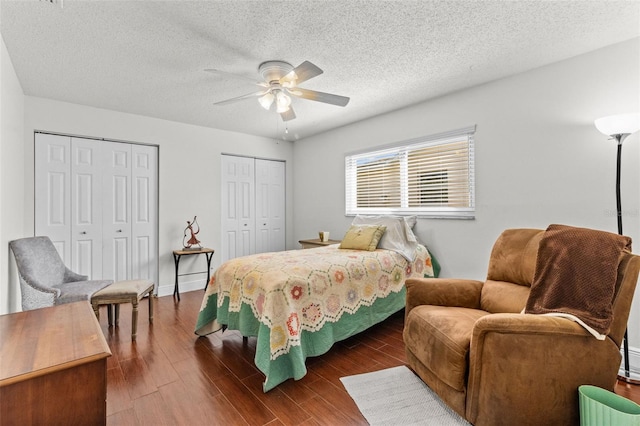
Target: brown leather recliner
{"points": [[469, 342]]}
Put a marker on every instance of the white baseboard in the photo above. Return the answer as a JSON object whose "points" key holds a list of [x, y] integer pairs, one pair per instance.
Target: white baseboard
{"points": [[185, 286]]}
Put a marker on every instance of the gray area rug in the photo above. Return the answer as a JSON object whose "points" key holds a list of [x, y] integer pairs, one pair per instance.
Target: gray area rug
{"points": [[396, 396]]}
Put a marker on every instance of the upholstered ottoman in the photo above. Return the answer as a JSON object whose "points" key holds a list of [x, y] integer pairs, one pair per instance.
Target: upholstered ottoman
{"points": [[130, 291]]}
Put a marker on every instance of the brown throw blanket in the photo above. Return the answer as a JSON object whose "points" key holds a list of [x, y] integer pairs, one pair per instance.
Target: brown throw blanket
{"points": [[575, 276]]}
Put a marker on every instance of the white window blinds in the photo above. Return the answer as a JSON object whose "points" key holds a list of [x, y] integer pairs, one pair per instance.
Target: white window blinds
{"points": [[431, 176]]}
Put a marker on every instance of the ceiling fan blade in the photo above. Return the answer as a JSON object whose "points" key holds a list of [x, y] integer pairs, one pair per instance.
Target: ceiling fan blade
{"points": [[288, 114], [241, 77], [239, 98], [313, 95], [301, 73]]}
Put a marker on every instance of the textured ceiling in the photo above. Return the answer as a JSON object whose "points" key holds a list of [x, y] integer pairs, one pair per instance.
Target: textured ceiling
{"points": [[148, 57]]}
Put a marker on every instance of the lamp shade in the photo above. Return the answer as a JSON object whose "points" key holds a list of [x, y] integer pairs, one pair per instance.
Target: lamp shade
{"points": [[618, 124], [266, 101], [282, 102]]}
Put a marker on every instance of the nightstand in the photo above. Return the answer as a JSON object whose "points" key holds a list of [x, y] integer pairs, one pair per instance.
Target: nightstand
{"points": [[307, 244]]}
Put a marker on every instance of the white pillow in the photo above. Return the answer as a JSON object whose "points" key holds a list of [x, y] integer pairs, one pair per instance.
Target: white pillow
{"points": [[398, 237]]}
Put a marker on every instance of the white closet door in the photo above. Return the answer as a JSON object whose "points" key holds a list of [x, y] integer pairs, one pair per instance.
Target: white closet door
{"points": [[144, 216], [116, 219], [270, 206], [86, 208], [238, 206], [98, 202], [53, 191]]}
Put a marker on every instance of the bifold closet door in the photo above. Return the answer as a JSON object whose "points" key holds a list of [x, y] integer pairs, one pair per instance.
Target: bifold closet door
{"points": [[270, 206], [129, 196], [97, 201], [144, 218], [116, 198], [86, 207], [253, 206], [238, 207], [53, 191], [67, 204]]}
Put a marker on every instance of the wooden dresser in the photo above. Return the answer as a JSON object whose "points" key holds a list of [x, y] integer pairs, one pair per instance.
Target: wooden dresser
{"points": [[53, 367]]}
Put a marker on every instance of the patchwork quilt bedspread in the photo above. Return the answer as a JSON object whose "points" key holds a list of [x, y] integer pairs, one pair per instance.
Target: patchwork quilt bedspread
{"points": [[298, 303]]}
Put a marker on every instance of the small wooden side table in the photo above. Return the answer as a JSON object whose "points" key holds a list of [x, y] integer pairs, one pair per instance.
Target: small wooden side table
{"points": [[177, 254], [307, 244]]}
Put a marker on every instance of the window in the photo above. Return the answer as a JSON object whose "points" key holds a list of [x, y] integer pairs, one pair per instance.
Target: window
{"points": [[432, 176]]}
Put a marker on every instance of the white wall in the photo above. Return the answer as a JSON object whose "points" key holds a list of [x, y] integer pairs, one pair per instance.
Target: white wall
{"points": [[12, 224], [539, 158]]}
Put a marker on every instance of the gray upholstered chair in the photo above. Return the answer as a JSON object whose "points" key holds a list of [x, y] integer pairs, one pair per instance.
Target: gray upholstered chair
{"points": [[44, 278]]}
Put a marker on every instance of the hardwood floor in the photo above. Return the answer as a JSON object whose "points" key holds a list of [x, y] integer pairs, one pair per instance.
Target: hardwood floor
{"points": [[172, 377]]}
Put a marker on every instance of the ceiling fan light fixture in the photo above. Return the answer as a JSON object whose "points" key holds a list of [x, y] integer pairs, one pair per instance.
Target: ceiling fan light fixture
{"points": [[279, 83], [266, 101], [282, 101]]}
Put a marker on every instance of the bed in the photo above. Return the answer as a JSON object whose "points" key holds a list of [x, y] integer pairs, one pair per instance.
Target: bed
{"points": [[298, 303]]}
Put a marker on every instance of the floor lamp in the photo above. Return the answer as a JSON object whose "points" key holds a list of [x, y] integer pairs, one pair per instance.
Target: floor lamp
{"points": [[619, 127]]}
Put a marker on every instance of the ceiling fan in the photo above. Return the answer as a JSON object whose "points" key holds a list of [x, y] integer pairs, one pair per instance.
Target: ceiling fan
{"points": [[280, 81]]}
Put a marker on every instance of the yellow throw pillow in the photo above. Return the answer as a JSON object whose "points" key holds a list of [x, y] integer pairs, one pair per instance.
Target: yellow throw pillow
{"points": [[363, 237]]}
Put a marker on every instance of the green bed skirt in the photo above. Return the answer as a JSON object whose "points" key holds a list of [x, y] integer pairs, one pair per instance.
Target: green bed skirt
{"points": [[292, 364]]}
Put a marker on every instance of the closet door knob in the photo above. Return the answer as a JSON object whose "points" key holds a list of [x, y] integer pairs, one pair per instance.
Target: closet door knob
{"points": [[119, 230], [83, 233]]}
